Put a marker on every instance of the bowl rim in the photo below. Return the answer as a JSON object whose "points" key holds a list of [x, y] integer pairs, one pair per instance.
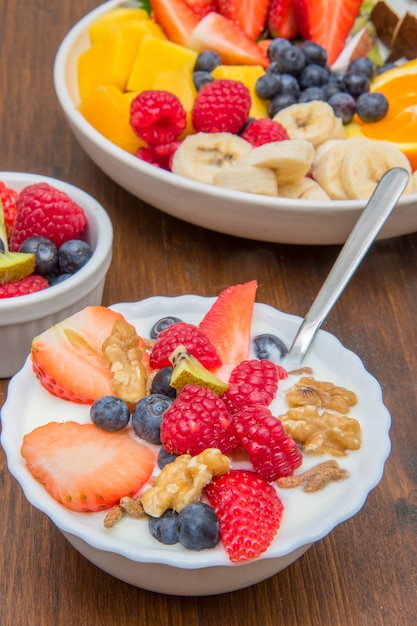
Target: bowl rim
{"points": [[33, 306], [346, 507], [286, 205]]}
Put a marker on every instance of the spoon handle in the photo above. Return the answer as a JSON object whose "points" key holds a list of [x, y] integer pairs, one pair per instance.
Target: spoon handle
{"points": [[373, 217]]}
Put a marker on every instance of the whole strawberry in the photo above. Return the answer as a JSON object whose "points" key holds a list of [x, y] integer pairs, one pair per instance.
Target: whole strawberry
{"points": [[196, 420], [221, 106], [249, 513], [46, 211], [188, 335]]}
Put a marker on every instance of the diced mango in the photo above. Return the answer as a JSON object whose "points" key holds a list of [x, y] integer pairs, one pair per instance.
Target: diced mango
{"points": [[103, 24], [107, 109], [180, 83], [155, 55], [248, 75]]}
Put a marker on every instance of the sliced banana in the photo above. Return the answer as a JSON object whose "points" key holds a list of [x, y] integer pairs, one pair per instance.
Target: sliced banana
{"points": [[249, 178], [311, 121], [202, 155], [304, 189], [290, 159], [338, 130], [327, 166], [366, 162]]}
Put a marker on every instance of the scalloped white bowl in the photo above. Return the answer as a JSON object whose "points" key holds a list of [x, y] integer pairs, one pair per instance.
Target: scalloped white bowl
{"points": [[128, 552], [24, 317], [226, 211]]}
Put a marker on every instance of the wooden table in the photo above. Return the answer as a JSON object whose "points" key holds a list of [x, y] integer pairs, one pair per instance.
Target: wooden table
{"points": [[364, 572]]}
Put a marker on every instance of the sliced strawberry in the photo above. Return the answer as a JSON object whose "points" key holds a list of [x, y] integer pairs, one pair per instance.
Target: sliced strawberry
{"points": [[176, 18], [228, 326], [85, 468], [202, 7], [249, 513], [68, 358], [218, 33], [327, 22], [249, 15], [281, 19]]}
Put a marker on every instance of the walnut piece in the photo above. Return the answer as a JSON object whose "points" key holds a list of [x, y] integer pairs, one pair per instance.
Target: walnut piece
{"points": [[324, 395], [322, 432], [182, 481], [123, 355], [315, 478]]}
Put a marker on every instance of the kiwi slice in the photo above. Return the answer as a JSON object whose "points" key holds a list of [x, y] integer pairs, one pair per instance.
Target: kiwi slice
{"points": [[15, 265], [187, 370]]}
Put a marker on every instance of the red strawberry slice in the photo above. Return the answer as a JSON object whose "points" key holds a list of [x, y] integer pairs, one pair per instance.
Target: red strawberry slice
{"points": [[85, 468], [202, 7], [249, 15], [227, 325], [176, 18], [249, 512], [68, 358], [327, 22], [216, 32], [281, 19], [8, 198]]}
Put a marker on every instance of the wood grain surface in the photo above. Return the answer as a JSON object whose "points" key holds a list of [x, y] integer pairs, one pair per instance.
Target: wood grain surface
{"points": [[364, 573]]}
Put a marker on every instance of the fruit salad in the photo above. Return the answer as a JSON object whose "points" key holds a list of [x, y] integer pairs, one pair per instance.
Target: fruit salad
{"points": [[200, 88], [188, 429]]}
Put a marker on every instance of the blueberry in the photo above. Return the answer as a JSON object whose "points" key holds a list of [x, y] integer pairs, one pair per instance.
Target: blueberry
{"points": [[161, 324], [45, 252], [2, 245], [384, 68], [164, 528], [314, 53], [55, 280], [311, 94], [73, 255], [330, 89], [363, 65], [337, 78], [165, 457], [313, 75], [198, 526], [267, 85], [279, 102], [372, 107], [343, 105], [147, 416], [201, 78], [207, 61], [110, 413], [355, 83], [291, 60], [275, 47], [267, 346], [289, 85], [160, 382]]}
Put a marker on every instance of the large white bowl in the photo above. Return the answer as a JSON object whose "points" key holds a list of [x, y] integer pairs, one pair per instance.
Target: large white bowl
{"points": [[128, 552], [24, 317], [231, 212]]}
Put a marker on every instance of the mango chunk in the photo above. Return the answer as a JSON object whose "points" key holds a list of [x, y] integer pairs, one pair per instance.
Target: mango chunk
{"points": [[248, 75], [107, 109], [180, 83], [156, 55], [105, 23]]}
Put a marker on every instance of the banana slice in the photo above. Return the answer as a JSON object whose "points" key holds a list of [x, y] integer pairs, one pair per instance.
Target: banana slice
{"points": [[290, 159], [248, 178], [312, 121], [327, 166], [338, 130], [202, 155], [304, 189], [366, 162]]}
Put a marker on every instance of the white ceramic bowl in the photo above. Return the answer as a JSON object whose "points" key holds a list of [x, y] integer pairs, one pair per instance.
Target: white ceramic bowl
{"points": [[127, 551], [24, 317], [231, 212]]}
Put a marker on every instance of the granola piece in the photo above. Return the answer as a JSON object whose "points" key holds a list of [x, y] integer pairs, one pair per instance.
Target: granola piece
{"points": [[133, 507], [315, 478], [122, 353], [113, 516], [182, 481], [322, 432], [321, 394]]}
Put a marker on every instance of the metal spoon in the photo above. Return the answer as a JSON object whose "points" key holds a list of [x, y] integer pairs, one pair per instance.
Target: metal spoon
{"points": [[373, 217]]}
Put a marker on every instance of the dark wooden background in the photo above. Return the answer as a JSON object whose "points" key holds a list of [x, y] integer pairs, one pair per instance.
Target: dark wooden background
{"points": [[364, 572]]}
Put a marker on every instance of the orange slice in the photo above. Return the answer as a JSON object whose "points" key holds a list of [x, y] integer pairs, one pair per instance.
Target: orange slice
{"points": [[399, 126]]}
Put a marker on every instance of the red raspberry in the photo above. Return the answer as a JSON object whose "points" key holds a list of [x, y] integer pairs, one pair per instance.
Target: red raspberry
{"points": [[249, 512], [188, 335], [22, 287], [8, 197], [44, 210], [196, 420], [263, 131], [271, 451], [221, 106], [252, 382], [160, 155], [157, 116]]}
